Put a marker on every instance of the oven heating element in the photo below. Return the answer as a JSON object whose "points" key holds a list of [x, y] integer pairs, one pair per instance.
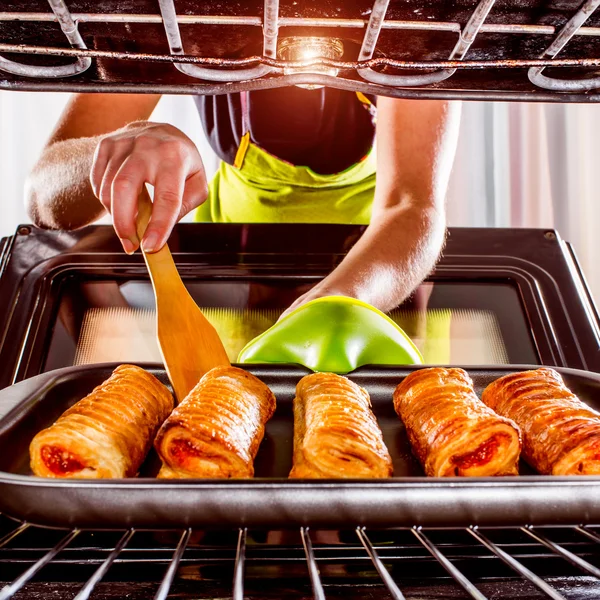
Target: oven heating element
{"points": [[372, 72]]}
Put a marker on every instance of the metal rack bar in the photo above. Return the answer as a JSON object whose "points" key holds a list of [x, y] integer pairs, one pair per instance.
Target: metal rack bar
{"points": [[515, 565], [374, 27], [69, 28], [238, 70], [318, 592], [11, 535], [238, 569], [575, 560], [589, 534], [322, 79], [466, 38], [450, 568], [101, 571], [536, 75], [472, 28], [9, 590], [167, 582], [270, 28], [313, 569], [393, 589], [130, 18]]}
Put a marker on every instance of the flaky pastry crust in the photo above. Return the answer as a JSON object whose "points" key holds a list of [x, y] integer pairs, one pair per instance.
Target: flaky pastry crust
{"points": [[451, 431], [108, 433], [217, 428], [336, 434], [561, 434]]}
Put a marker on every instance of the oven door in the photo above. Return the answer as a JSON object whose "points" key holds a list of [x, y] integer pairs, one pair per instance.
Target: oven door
{"points": [[497, 296]]}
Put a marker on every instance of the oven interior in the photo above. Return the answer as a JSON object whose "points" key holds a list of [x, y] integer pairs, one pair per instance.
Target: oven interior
{"points": [[104, 321], [496, 296]]}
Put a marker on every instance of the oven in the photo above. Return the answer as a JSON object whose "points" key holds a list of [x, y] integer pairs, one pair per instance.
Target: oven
{"points": [[497, 297]]}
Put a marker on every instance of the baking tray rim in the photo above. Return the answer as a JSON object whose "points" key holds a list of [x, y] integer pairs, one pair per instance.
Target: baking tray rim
{"points": [[269, 482]]}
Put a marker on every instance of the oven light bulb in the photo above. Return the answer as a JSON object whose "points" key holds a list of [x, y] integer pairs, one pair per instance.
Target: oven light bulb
{"points": [[298, 49], [310, 52]]}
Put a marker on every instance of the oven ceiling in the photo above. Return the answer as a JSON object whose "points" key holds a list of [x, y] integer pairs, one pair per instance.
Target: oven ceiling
{"points": [[498, 42]]}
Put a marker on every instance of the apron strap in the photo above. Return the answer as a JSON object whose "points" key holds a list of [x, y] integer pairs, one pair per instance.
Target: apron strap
{"points": [[363, 98], [368, 105], [240, 155], [238, 163]]}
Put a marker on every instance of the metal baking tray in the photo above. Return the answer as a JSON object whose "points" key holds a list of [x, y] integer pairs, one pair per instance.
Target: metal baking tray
{"points": [[271, 500]]}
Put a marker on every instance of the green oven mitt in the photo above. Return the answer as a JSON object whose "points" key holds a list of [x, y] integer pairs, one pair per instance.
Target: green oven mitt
{"points": [[335, 334]]}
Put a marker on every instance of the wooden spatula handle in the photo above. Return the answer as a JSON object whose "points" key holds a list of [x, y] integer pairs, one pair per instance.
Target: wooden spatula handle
{"points": [[144, 212], [160, 264]]}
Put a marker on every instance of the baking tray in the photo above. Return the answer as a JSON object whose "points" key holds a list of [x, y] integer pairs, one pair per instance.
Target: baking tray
{"points": [[271, 500]]}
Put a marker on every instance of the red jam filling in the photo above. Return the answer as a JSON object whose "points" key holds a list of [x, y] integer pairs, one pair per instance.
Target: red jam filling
{"points": [[478, 457], [59, 461], [182, 450]]}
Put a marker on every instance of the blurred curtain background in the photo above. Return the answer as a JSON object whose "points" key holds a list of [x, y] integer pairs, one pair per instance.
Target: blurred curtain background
{"points": [[531, 165], [517, 165]]}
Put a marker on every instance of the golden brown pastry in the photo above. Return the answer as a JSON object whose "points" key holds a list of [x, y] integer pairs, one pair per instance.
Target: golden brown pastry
{"points": [[451, 431], [335, 431], [217, 429], [561, 434], [108, 433]]}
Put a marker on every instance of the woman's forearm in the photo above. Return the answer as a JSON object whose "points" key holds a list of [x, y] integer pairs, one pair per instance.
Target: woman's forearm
{"points": [[58, 193], [416, 143], [395, 254]]}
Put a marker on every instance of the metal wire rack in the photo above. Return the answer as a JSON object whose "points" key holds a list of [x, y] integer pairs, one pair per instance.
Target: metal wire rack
{"points": [[568, 557], [473, 49]]}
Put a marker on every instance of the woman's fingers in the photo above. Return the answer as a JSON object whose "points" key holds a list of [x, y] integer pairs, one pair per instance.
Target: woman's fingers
{"points": [[169, 186], [194, 194], [176, 193], [108, 160], [103, 153], [125, 190]]}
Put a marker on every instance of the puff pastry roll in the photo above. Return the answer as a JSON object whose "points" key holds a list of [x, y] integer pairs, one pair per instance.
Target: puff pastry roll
{"points": [[108, 433], [450, 430], [336, 434], [561, 434], [217, 429]]}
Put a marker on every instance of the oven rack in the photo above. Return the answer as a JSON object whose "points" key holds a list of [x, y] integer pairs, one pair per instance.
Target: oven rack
{"points": [[458, 75], [107, 556]]}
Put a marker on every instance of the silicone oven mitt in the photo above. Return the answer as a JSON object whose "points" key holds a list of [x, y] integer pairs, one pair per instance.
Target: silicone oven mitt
{"points": [[334, 334]]}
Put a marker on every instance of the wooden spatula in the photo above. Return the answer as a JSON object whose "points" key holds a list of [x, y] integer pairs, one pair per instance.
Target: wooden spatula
{"points": [[189, 344]]}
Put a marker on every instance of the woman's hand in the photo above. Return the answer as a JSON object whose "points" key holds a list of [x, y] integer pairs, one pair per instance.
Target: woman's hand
{"points": [[319, 291], [153, 153]]}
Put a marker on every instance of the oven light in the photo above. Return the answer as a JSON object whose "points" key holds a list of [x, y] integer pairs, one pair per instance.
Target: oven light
{"points": [[299, 49]]}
